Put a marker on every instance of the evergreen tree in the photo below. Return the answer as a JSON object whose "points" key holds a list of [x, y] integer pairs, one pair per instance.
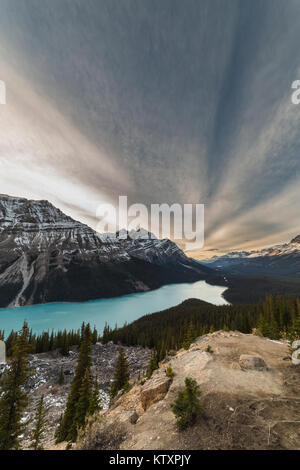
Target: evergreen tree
{"points": [[65, 344], [189, 336], [187, 405], [94, 336], [85, 399], [14, 398], [37, 434], [61, 378], [51, 341], [152, 365], [95, 404], [121, 377], [294, 331], [68, 428], [273, 327], [106, 332]]}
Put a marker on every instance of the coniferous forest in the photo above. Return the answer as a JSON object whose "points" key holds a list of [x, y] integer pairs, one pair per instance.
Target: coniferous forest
{"points": [[275, 317]]}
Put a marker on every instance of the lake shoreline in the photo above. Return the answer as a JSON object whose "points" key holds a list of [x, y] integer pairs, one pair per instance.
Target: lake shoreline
{"points": [[113, 310]]}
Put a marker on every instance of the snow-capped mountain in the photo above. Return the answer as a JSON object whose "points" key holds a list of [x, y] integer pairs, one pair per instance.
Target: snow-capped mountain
{"points": [[46, 256], [277, 260]]}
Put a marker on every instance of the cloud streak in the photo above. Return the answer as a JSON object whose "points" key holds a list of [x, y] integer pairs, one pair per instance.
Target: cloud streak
{"points": [[162, 101]]}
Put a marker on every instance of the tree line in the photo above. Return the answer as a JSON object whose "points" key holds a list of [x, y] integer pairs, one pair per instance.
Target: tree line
{"points": [[46, 341], [171, 329]]}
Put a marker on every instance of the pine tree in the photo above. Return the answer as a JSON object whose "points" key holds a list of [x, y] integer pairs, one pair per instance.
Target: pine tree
{"points": [[37, 434], [273, 327], [94, 336], [61, 378], [189, 336], [95, 403], [85, 399], [296, 325], [187, 406], [106, 332], [262, 325], [65, 346], [152, 365], [294, 331], [14, 398], [121, 377], [68, 428]]}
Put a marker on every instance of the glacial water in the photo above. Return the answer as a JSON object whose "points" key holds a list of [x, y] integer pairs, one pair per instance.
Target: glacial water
{"points": [[118, 310]]}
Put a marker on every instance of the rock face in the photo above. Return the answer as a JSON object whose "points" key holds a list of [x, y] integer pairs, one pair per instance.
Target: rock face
{"points": [[46, 256], [296, 352], [155, 388], [240, 395]]}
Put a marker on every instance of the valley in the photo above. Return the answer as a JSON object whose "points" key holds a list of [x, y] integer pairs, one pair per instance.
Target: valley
{"points": [[46, 256]]}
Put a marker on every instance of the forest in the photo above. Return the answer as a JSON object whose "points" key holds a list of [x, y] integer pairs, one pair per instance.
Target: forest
{"points": [[275, 317]]}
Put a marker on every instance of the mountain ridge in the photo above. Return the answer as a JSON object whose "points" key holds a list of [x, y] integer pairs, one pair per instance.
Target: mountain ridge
{"points": [[47, 256], [278, 260]]}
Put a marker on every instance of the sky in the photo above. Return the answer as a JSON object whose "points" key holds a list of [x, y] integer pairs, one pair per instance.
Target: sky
{"points": [[165, 101]]}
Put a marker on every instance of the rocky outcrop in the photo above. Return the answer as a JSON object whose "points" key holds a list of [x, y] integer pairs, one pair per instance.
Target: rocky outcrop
{"points": [[46, 256], [155, 388], [250, 397], [296, 352]]}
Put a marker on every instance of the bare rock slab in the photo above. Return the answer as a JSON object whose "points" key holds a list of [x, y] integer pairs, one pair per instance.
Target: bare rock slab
{"points": [[155, 389]]}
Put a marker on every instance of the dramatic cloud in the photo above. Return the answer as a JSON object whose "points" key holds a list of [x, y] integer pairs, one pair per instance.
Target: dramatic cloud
{"points": [[165, 101]]}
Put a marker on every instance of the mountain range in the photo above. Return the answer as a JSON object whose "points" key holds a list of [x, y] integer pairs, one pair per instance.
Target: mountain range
{"points": [[279, 261], [46, 256]]}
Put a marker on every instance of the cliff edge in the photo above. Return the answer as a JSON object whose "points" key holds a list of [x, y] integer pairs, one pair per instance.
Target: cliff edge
{"points": [[250, 391]]}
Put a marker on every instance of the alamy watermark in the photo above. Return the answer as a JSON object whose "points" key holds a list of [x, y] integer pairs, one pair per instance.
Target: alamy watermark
{"points": [[295, 98], [180, 222], [2, 92]]}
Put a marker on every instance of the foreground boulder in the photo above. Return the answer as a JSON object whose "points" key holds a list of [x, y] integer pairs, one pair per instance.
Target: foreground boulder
{"points": [[155, 388]]}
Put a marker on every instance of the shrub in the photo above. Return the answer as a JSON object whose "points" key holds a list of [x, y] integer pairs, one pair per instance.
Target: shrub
{"points": [[170, 373], [101, 435], [187, 405]]}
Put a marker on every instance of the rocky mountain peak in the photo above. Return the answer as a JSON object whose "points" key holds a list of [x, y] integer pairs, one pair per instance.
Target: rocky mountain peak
{"points": [[28, 214], [46, 256], [296, 239]]}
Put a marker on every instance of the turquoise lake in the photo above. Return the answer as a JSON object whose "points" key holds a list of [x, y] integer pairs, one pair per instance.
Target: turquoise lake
{"points": [[118, 310]]}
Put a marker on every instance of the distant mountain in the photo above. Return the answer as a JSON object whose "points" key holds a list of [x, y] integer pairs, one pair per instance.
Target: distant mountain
{"points": [[46, 256], [279, 260]]}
